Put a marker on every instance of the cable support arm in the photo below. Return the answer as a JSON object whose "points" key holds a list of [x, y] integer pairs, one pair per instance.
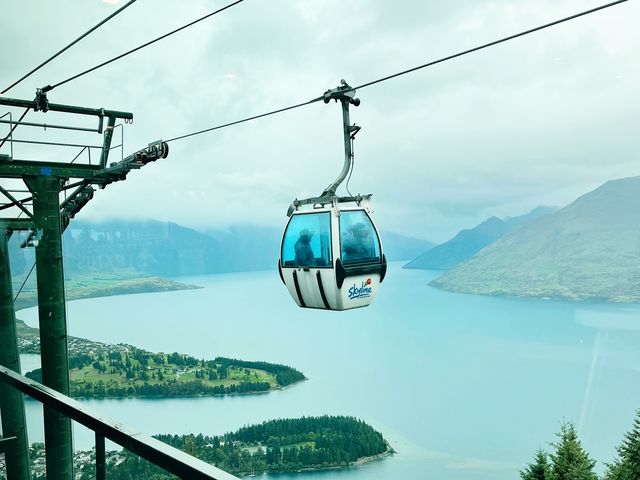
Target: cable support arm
{"points": [[119, 170], [346, 95]]}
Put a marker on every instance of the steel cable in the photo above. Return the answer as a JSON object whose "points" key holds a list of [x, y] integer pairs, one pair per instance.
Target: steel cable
{"points": [[88, 32], [404, 72], [122, 55]]}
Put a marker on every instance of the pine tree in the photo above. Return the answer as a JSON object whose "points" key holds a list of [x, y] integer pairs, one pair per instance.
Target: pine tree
{"points": [[627, 465], [190, 445], [539, 469], [570, 461]]}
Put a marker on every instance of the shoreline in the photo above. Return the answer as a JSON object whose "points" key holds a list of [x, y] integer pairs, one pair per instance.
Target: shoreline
{"points": [[361, 461], [160, 397], [108, 288], [574, 299]]}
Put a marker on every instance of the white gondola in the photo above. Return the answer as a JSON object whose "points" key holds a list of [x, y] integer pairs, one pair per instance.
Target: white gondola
{"points": [[331, 256]]}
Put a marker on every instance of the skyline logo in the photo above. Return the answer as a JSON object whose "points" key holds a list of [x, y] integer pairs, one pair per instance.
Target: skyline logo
{"points": [[363, 291]]}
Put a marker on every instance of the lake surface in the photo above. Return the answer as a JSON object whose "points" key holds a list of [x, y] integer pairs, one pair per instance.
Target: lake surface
{"points": [[463, 387]]}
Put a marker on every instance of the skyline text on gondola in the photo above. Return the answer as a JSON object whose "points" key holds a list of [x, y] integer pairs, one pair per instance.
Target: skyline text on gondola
{"points": [[360, 292]]}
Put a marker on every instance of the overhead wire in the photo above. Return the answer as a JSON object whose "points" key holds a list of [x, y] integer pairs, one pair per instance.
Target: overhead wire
{"points": [[490, 44], [88, 32], [404, 72], [247, 119], [129, 52]]}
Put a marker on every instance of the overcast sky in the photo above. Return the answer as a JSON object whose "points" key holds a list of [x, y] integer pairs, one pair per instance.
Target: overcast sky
{"points": [[539, 120]]}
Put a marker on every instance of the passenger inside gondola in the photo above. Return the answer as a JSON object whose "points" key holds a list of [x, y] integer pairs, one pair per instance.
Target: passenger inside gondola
{"points": [[358, 238], [358, 245], [307, 241], [302, 247]]}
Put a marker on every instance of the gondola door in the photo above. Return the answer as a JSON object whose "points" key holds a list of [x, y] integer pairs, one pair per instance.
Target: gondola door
{"points": [[307, 259], [360, 263]]}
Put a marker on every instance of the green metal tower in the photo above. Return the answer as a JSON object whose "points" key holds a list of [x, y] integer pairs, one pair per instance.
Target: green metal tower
{"points": [[45, 217]]}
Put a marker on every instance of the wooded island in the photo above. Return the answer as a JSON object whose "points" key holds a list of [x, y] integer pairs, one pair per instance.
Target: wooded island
{"points": [[283, 445]]}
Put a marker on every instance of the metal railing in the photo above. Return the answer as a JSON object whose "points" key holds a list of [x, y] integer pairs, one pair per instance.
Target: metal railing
{"points": [[160, 454]]}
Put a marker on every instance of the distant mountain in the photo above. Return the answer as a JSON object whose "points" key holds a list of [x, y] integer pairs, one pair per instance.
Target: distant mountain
{"points": [[470, 241], [515, 222], [249, 247], [166, 249], [589, 250], [156, 248], [399, 247]]}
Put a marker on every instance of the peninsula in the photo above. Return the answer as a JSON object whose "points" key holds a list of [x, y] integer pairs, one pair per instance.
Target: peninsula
{"points": [[118, 371]]}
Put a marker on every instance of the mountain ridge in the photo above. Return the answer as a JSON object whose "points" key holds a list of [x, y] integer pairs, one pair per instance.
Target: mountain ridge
{"points": [[466, 243], [588, 250]]}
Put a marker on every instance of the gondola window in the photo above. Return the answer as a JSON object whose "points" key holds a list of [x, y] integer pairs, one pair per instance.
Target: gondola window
{"points": [[307, 241]]}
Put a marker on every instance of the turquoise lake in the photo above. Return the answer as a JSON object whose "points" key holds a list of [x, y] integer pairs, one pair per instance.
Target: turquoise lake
{"points": [[462, 386]]}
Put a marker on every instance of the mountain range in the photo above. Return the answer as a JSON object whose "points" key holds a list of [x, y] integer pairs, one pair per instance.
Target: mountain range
{"points": [[588, 250], [167, 249], [470, 241]]}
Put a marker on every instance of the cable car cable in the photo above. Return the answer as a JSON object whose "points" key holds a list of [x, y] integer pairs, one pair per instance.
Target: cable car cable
{"points": [[404, 72], [490, 44], [88, 32], [122, 55], [273, 112]]}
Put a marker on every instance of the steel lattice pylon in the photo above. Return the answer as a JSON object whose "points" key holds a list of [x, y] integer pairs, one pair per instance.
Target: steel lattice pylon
{"points": [[45, 221]]}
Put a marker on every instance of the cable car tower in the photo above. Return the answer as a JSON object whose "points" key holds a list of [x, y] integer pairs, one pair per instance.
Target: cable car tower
{"points": [[45, 216]]}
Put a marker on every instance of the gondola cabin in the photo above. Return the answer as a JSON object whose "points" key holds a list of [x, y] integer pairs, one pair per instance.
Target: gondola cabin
{"points": [[331, 256]]}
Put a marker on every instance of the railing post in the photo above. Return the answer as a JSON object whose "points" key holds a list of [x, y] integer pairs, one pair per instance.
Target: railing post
{"points": [[52, 319], [101, 473], [11, 400]]}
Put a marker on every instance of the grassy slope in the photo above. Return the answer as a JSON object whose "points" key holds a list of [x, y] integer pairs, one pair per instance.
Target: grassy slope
{"points": [[235, 376], [589, 250]]}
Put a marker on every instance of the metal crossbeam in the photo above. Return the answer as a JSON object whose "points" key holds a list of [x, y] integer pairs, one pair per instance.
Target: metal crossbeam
{"points": [[7, 443], [20, 168], [18, 204], [53, 126], [16, 224], [165, 456], [56, 107]]}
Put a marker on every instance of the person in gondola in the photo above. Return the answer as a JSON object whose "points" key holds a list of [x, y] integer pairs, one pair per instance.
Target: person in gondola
{"points": [[304, 253], [357, 245]]}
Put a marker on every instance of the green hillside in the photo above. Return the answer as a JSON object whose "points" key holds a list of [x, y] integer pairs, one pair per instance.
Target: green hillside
{"points": [[125, 371], [589, 250], [470, 241]]}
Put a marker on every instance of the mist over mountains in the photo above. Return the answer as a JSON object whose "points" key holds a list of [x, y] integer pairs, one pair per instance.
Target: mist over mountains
{"points": [[168, 250], [588, 250]]}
